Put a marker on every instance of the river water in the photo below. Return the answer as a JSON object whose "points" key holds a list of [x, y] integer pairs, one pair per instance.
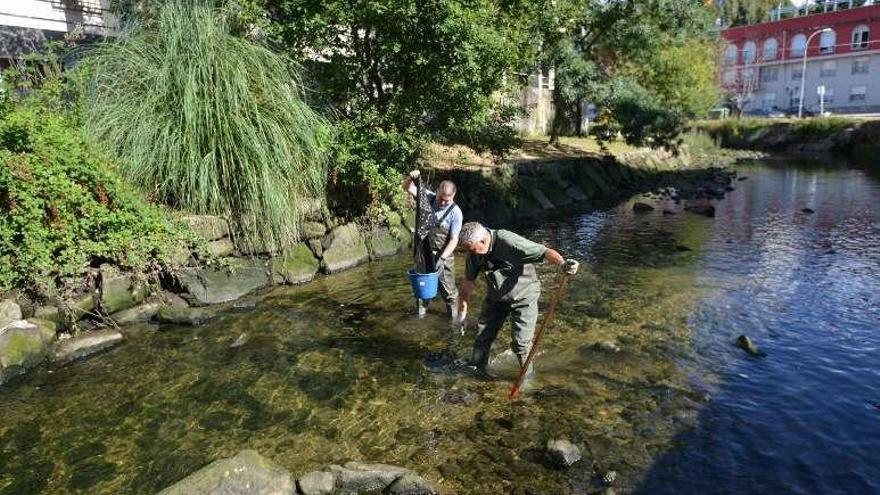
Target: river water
{"points": [[335, 371]]}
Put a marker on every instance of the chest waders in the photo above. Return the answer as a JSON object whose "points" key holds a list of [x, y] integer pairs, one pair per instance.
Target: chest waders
{"points": [[432, 246], [513, 290]]}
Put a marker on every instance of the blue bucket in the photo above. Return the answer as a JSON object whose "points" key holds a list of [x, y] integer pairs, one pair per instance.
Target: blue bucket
{"points": [[424, 285]]}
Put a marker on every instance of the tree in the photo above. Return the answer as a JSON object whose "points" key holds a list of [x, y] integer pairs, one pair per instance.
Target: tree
{"points": [[739, 12], [590, 43]]}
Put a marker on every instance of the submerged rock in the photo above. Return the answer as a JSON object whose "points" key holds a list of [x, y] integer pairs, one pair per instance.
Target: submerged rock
{"points": [[606, 346], [808, 211], [563, 452], [248, 473], [744, 342], [640, 207], [609, 477], [459, 397], [240, 341], [667, 211], [84, 345], [705, 210]]}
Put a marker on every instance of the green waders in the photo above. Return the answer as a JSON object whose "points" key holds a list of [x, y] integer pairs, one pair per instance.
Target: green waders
{"points": [[513, 290], [437, 239]]}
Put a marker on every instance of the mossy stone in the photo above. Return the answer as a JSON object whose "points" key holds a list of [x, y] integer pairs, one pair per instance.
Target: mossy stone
{"points": [[297, 266]]}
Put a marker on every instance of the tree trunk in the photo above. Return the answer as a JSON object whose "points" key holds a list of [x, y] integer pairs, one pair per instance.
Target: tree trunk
{"points": [[579, 111], [558, 111]]}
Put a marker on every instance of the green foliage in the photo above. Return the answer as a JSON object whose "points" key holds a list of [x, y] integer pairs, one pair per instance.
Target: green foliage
{"points": [[206, 121], [644, 117], [368, 166], [599, 49], [62, 208], [683, 75], [739, 12]]}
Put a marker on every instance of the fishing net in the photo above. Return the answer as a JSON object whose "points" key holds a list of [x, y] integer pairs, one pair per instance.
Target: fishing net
{"points": [[423, 259]]}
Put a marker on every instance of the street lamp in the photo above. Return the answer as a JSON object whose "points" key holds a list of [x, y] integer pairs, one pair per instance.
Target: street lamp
{"points": [[804, 69]]}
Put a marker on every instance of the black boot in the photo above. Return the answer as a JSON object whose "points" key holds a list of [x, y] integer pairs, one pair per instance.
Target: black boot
{"points": [[481, 365]]}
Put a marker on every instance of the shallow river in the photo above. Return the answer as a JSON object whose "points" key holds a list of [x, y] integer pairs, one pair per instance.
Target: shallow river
{"points": [[335, 371]]}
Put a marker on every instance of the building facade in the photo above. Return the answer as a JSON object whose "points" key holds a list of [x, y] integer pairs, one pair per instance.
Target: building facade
{"points": [[25, 25], [762, 63]]}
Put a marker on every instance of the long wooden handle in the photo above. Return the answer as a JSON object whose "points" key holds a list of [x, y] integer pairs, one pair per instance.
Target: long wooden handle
{"points": [[514, 392]]}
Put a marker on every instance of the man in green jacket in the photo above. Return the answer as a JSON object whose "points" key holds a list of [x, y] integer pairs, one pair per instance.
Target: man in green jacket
{"points": [[508, 262]]}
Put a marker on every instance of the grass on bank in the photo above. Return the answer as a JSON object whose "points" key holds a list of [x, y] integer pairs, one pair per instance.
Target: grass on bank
{"points": [[815, 127], [209, 122]]}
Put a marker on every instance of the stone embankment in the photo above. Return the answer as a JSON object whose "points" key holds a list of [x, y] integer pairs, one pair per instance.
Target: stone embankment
{"points": [[60, 332]]}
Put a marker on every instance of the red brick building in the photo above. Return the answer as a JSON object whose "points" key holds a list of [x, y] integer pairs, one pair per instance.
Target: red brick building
{"points": [[762, 63]]}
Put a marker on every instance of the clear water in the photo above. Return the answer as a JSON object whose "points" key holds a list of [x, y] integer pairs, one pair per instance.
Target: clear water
{"points": [[334, 370]]}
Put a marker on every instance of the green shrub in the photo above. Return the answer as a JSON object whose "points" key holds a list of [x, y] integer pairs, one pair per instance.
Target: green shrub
{"points": [[209, 122], [369, 163], [63, 209]]}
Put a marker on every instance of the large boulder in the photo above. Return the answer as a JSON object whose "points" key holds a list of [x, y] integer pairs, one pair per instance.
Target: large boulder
{"points": [[248, 473], [297, 266], [218, 285], [23, 345], [9, 312], [344, 248], [410, 484], [209, 227], [358, 477], [84, 345], [382, 244], [119, 291], [317, 483]]}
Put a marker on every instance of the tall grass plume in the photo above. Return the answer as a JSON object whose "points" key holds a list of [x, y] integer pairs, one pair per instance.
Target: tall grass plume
{"points": [[209, 122]]}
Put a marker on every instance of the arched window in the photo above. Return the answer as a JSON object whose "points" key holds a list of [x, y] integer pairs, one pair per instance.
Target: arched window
{"points": [[798, 43], [749, 52], [826, 42], [860, 37], [770, 49], [730, 54]]}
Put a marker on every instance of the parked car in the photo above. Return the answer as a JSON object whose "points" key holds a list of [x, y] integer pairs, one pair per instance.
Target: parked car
{"points": [[773, 113], [805, 112]]}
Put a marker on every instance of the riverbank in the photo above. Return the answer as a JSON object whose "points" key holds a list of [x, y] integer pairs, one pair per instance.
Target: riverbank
{"points": [[521, 190], [813, 135]]}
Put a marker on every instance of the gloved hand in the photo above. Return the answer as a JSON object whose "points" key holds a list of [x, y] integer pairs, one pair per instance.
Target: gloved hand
{"points": [[439, 264], [570, 266]]}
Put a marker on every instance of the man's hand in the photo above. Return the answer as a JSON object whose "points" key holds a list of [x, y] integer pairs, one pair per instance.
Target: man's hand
{"points": [[570, 266], [439, 264], [415, 174]]}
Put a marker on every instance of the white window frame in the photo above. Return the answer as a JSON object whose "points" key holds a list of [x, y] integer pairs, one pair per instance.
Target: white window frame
{"points": [[861, 95], [730, 52], [798, 45], [861, 65], [767, 71], [827, 40], [828, 68], [860, 39], [750, 52], [771, 49]]}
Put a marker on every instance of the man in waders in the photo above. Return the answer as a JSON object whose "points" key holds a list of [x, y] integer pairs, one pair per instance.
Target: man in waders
{"points": [[442, 239], [512, 287]]}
